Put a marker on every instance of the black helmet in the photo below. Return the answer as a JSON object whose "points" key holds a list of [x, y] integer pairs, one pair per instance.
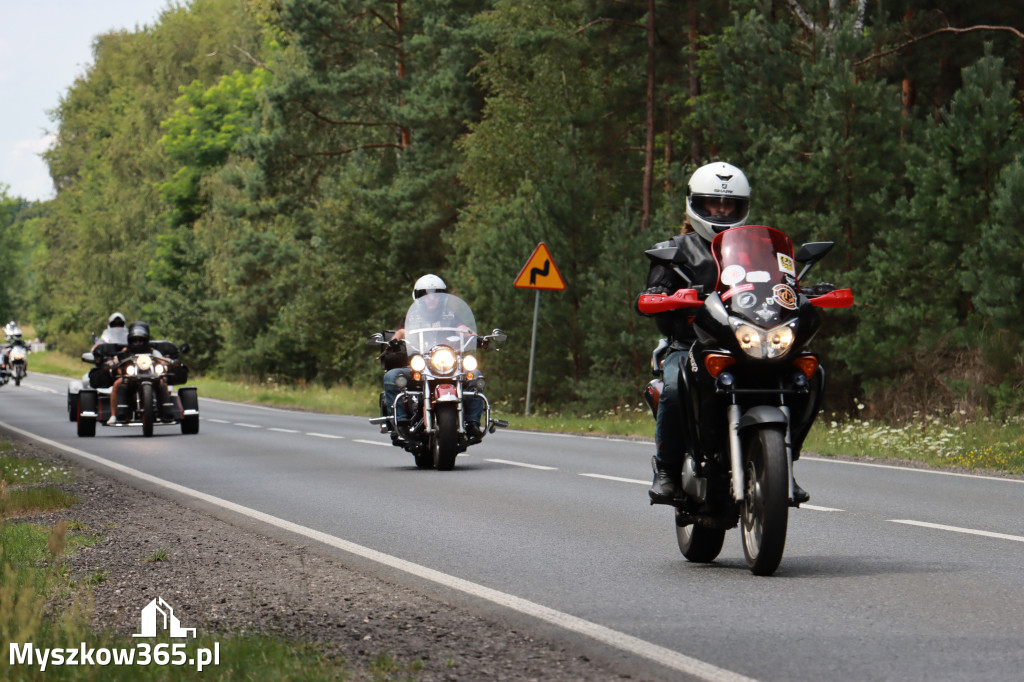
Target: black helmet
{"points": [[138, 334]]}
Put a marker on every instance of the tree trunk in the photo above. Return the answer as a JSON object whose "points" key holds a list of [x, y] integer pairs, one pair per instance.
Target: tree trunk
{"points": [[645, 219]]}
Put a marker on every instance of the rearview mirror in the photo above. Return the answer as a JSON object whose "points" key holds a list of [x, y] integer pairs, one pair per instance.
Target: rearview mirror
{"points": [[184, 348], [88, 357], [376, 339]]}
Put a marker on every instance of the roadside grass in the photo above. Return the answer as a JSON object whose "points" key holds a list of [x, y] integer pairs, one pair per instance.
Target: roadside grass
{"points": [[949, 441], [34, 572], [22, 471], [953, 440]]}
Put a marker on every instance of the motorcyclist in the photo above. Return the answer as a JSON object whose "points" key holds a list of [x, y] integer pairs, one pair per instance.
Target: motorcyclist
{"points": [[12, 336], [472, 405], [717, 199], [116, 332], [138, 341]]}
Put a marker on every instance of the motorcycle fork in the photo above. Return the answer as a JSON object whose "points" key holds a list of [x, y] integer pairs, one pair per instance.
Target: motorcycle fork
{"points": [[733, 414]]}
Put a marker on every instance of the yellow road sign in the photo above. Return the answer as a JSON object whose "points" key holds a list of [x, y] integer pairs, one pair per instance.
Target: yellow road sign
{"points": [[540, 272]]}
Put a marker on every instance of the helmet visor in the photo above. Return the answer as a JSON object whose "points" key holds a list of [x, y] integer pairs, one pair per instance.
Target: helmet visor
{"points": [[423, 292], [720, 210]]}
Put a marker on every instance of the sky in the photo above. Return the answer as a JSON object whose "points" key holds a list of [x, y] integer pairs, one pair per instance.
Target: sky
{"points": [[44, 46]]}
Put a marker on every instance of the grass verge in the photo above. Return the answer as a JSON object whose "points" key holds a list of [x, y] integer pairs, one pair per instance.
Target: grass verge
{"points": [[34, 572]]}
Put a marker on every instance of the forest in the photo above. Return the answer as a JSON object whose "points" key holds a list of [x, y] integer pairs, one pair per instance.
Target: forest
{"points": [[265, 179]]}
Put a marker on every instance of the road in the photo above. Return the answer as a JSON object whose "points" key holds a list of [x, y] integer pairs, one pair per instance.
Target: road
{"points": [[890, 573]]}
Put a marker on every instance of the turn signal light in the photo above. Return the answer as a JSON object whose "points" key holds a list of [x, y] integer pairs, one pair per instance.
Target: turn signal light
{"points": [[716, 363], [807, 364]]}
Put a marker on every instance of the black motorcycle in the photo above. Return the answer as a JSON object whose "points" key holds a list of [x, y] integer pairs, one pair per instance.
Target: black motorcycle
{"points": [[750, 390], [144, 397], [443, 372]]}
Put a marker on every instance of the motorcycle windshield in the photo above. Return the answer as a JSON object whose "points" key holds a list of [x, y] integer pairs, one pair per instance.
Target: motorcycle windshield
{"points": [[756, 273], [437, 319]]}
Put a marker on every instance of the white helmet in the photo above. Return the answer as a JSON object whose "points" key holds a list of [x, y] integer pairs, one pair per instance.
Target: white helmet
{"points": [[708, 196], [427, 284], [116, 316]]}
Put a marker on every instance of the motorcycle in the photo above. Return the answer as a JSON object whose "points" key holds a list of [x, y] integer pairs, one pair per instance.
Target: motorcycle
{"points": [[17, 360], [442, 374], [144, 396], [750, 389]]}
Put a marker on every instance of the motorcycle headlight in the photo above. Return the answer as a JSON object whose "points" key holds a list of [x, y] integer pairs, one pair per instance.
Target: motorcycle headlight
{"points": [[17, 353], [417, 363], [131, 370], [443, 360], [145, 362], [764, 344], [469, 363], [159, 369]]}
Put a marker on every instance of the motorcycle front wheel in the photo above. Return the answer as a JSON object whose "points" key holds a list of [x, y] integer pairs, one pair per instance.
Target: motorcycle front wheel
{"points": [[148, 410], [445, 440], [765, 511]]}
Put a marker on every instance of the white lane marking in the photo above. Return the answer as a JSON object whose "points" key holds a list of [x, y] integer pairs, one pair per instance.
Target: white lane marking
{"points": [[324, 435], [956, 529], [216, 421], [248, 426], [274, 428], [521, 464], [936, 472], [41, 389], [619, 640], [371, 442], [617, 478], [814, 507]]}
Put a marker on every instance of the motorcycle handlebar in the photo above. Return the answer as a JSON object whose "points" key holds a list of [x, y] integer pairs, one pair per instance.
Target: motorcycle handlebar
{"points": [[840, 298], [660, 303]]}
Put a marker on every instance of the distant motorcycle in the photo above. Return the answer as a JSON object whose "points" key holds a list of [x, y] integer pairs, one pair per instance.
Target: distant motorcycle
{"points": [[442, 374], [750, 390], [17, 355], [145, 386]]}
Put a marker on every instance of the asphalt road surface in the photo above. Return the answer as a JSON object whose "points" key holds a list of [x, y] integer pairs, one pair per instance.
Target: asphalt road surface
{"points": [[889, 573]]}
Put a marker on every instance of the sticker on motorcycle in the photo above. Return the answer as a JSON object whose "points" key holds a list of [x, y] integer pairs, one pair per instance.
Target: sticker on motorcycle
{"points": [[784, 296], [786, 264], [746, 301], [733, 274], [736, 290], [759, 276]]}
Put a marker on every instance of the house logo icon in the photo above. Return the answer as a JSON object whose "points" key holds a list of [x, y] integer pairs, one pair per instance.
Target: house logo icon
{"points": [[157, 613]]}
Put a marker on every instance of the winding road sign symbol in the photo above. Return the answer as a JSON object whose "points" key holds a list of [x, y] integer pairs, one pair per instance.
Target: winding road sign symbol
{"points": [[540, 272]]}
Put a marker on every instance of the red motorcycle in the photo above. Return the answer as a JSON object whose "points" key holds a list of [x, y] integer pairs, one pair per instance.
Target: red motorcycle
{"points": [[750, 389]]}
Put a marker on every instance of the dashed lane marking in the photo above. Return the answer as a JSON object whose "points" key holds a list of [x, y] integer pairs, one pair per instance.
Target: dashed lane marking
{"points": [[956, 529], [324, 435], [522, 464], [617, 478]]}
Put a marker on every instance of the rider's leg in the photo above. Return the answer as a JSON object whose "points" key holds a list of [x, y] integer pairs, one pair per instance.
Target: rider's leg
{"points": [[669, 439]]}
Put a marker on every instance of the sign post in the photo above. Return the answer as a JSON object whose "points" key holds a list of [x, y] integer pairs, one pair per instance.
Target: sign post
{"points": [[540, 272]]}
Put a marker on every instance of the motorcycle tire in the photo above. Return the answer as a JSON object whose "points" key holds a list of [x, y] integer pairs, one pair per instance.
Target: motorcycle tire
{"points": [[148, 410], [764, 512], [87, 402], [72, 407], [699, 544], [445, 440]]}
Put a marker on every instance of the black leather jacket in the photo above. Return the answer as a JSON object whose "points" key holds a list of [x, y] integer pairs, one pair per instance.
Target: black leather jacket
{"points": [[696, 263]]}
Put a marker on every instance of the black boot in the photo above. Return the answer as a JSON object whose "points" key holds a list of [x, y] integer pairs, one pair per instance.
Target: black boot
{"points": [[799, 494], [666, 488]]}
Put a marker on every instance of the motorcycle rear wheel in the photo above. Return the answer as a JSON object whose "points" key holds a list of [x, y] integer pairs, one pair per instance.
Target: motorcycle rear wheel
{"points": [[765, 510], [148, 410], [699, 544], [445, 440]]}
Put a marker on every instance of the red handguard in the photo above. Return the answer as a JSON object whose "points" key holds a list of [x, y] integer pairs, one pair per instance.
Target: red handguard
{"points": [[840, 298], [660, 303]]}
